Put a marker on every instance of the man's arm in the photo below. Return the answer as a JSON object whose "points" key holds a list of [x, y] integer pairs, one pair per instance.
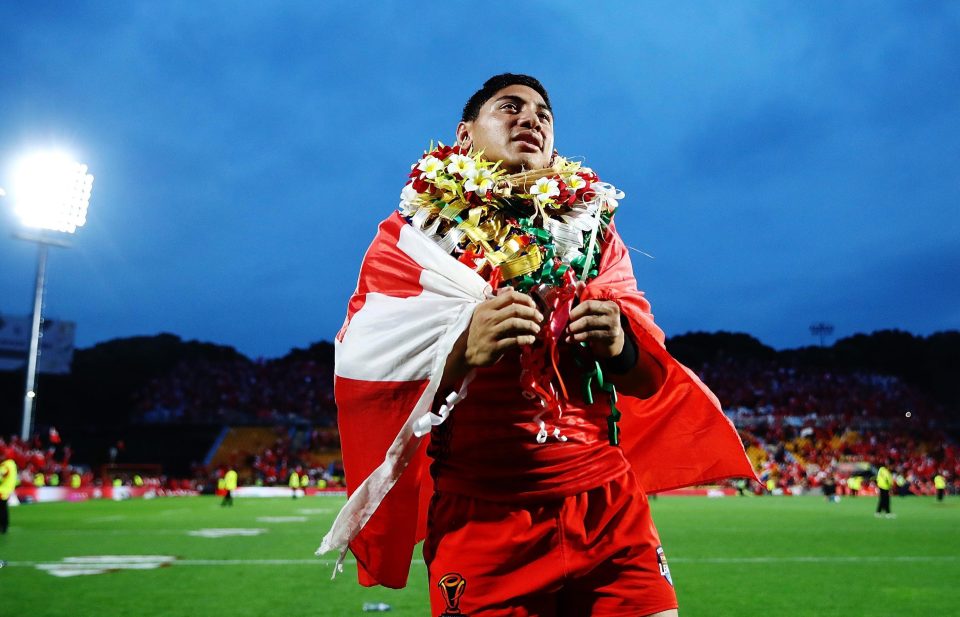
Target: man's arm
{"points": [[598, 323]]}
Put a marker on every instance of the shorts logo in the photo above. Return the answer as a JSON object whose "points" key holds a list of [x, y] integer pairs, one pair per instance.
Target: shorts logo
{"points": [[664, 568], [452, 587]]}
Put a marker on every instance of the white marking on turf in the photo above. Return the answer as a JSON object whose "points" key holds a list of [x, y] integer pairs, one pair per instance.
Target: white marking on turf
{"points": [[816, 559], [223, 533], [282, 519], [173, 511], [106, 519], [99, 564], [315, 510]]}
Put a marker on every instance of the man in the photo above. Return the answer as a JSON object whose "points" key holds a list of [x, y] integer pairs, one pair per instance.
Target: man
{"points": [[854, 483], [229, 485], [829, 488], [294, 482], [940, 483], [516, 524], [8, 483], [884, 484]]}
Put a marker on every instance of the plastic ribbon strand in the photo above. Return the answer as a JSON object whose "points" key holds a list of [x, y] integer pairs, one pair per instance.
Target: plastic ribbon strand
{"points": [[540, 364], [605, 196], [594, 377], [427, 421]]}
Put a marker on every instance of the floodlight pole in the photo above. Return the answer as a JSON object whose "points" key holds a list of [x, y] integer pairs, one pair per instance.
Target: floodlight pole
{"points": [[53, 193], [31, 391], [821, 329], [30, 395]]}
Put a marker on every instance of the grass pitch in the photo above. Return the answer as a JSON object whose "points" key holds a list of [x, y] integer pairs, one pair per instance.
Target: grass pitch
{"points": [[776, 556]]}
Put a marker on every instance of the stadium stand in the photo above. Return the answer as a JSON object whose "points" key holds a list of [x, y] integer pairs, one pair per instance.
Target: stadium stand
{"points": [[807, 417]]}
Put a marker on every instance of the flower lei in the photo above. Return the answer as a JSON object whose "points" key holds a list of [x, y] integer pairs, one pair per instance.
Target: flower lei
{"points": [[535, 231], [532, 226]]}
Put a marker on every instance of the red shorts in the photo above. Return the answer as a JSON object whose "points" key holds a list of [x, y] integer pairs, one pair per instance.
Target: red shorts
{"points": [[595, 553]]}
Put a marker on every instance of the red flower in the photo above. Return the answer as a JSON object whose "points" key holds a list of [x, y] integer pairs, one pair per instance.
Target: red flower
{"points": [[442, 152], [420, 185]]}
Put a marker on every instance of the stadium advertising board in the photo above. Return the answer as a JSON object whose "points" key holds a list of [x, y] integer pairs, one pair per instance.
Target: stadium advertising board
{"points": [[56, 344]]}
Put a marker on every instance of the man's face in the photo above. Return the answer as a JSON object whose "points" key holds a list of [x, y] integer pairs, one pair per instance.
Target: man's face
{"points": [[513, 126]]}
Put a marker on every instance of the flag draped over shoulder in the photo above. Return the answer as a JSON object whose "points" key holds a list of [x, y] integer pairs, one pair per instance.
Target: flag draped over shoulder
{"points": [[679, 436], [411, 304]]}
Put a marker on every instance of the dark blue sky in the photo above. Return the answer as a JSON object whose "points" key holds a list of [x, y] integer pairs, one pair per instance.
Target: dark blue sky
{"points": [[784, 162]]}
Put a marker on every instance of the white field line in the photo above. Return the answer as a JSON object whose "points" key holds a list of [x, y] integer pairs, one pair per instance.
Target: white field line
{"points": [[105, 519], [694, 560], [817, 559]]}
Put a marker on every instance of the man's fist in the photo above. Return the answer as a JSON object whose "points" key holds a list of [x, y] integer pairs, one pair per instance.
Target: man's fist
{"points": [[507, 321], [597, 322]]}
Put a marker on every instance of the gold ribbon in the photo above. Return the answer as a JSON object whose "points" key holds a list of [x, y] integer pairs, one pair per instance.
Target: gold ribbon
{"points": [[526, 263]]}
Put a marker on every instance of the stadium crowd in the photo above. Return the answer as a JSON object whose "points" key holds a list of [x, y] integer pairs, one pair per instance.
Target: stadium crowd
{"points": [[803, 428], [45, 461], [286, 390], [292, 451]]}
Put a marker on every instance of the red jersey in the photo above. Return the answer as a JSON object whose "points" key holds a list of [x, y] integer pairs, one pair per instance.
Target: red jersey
{"points": [[488, 449]]}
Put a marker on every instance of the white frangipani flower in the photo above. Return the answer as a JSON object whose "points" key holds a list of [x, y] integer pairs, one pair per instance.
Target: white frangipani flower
{"points": [[409, 199], [460, 164], [544, 189], [478, 181], [430, 166], [575, 182]]}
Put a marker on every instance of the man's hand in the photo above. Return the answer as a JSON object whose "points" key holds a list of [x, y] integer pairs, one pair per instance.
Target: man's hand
{"points": [[597, 322], [507, 321]]}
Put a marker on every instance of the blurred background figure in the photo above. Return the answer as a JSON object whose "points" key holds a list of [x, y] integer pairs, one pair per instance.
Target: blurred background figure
{"points": [[229, 485], [884, 484], [940, 483], [8, 482]]}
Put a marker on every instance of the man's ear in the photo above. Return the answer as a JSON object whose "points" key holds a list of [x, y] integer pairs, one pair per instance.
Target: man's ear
{"points": [[463, 135]]}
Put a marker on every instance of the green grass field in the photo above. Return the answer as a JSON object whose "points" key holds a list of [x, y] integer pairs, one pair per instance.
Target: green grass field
{"points": [[775, 556]]}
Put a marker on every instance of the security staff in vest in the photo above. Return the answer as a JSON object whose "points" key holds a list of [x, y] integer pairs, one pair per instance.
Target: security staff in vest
{"points": [[940, 483], [294, 482], [884, 484], [230, 484], [8, 482], [854, 483]]}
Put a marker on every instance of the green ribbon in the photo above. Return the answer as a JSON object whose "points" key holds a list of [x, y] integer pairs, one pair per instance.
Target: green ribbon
{"points": [[595, 377]]}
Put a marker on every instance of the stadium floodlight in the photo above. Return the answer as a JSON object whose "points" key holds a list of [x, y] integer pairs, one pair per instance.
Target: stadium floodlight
{"points": [[50, 192]]}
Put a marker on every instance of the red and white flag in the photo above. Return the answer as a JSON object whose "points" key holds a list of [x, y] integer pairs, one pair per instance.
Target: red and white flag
{"points": [[411, 304]]}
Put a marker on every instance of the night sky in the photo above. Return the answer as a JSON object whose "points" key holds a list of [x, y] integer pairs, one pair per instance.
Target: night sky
{"points": [[784, 162]]}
